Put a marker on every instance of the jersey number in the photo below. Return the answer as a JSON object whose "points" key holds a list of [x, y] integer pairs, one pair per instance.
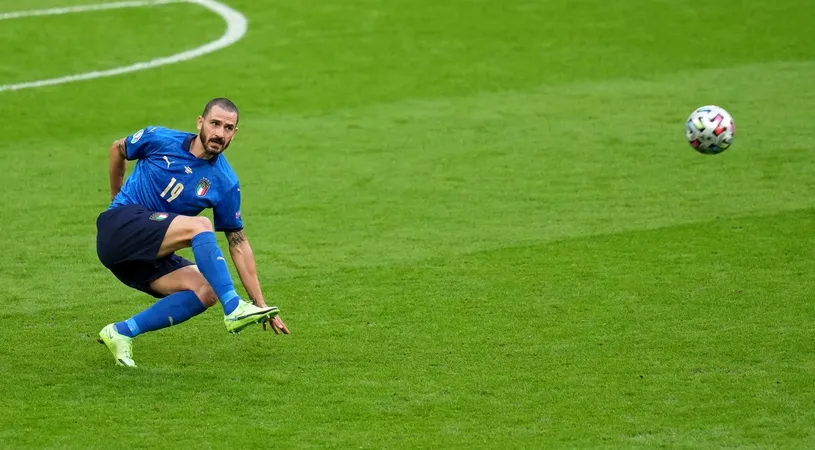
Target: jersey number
{"points": [[176, 190]]}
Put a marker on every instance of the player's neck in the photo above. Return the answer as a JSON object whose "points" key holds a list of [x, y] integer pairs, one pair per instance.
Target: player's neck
{"points": [[197, 149]]}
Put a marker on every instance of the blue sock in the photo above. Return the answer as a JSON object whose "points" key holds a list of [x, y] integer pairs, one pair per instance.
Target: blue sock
{"points": [[211, 262], [170, 310]]}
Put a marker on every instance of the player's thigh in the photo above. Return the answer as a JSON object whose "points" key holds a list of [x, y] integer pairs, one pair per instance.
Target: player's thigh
{"points": [[180, 233], [187, 278]]}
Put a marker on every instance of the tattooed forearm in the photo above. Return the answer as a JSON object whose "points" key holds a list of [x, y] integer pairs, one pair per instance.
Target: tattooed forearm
{"points": [[235, 238]]}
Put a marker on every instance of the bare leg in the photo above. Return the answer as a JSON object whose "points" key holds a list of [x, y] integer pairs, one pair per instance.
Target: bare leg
{"points": [[187, 278], [198, 233], [181, 231]]}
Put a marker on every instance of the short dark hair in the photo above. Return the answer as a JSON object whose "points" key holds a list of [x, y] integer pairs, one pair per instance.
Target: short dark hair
{"points": [[223, 103]]}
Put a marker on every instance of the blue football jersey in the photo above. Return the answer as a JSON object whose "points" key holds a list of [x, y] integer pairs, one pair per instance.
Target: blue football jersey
{"points": [[168, 178]]}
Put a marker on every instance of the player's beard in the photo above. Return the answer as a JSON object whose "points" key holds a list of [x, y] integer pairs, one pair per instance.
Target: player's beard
{"points": [[205, 141]]}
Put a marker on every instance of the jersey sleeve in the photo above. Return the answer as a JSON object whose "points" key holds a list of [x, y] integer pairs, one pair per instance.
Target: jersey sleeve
{"points": [[141, 143], [227, 213]]}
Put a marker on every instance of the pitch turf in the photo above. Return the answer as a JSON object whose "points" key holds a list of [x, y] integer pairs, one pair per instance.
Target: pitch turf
{"points": [[480, 221]]}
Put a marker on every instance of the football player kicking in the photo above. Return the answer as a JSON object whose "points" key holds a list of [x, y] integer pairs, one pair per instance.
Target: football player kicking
{"points": [[154, 214]]}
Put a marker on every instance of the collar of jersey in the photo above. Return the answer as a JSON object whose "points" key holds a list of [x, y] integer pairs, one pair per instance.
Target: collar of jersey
{"points": [[188, 143]]}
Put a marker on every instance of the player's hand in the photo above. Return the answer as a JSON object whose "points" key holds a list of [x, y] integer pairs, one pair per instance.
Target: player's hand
{"points": [[276, 324]]}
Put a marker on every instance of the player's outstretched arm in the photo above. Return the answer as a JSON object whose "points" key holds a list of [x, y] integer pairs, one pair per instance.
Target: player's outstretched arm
{"points": [[244, 260], [118, 164]]}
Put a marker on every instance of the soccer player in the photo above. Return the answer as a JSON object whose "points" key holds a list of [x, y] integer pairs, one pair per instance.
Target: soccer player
{"points": [[154, 214]]}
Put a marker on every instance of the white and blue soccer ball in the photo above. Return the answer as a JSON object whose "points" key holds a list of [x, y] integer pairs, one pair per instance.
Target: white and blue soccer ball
{"points": [[710, 130]]}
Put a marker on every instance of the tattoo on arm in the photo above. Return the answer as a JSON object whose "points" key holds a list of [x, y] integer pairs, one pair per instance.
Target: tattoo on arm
{"points": [[120, 144], [235, 238]]}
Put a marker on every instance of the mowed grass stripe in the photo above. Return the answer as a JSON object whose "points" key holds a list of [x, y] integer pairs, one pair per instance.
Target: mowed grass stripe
{"points": [[419, 179], [689, 335]]}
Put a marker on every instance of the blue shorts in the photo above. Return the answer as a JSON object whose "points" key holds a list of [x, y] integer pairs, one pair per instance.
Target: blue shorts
{"points": [[128, 239]]}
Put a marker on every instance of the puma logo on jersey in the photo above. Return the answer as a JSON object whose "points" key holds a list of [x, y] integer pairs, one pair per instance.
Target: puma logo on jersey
{"points": [[168, 161]]}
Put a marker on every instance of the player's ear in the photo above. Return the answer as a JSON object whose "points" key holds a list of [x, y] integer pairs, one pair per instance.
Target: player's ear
{"points": [[200, 123]]}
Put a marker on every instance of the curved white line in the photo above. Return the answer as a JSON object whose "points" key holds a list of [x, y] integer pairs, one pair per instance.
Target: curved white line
{"points": [[236, 25]]}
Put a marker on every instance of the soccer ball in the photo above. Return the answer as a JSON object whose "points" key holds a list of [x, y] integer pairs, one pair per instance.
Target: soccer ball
{"points": [[710, 130]]}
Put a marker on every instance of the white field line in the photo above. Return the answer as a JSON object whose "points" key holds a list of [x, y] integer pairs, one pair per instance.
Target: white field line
{"points": [[83, 8], [236, 25]]}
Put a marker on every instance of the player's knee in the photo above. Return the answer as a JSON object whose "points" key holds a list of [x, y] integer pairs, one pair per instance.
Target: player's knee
{"points": [[201, 225], [207, 296]]}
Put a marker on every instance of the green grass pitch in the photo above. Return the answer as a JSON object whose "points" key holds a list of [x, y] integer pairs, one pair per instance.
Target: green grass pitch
{"points": [[480, 219]]}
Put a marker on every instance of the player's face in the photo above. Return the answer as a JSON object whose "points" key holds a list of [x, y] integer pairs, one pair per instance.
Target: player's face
{"points": [[217, 129]]}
